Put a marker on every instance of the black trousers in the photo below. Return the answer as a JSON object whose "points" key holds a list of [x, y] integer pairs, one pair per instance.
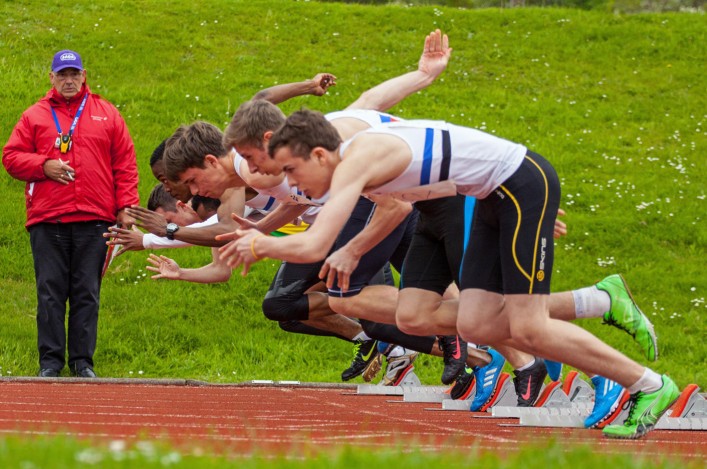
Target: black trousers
{"points": [[68, 258]]}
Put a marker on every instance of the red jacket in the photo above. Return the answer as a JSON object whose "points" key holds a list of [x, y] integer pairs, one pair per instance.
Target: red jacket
{"points": [[102, 155]]}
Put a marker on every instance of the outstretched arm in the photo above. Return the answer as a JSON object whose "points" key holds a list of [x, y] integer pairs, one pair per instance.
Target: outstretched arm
{"points": [[317, 86], [167, 268], [155, 223], [433, 62]]}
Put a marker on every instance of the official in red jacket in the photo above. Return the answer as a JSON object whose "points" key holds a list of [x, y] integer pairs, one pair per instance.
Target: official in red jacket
{"points": [[74, 151]]}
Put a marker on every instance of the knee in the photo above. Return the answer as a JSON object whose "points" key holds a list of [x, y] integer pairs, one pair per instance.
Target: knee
{"points": [[413, 324], [527, 336], [285, 309], [346, 306], [290, 326], [477, 332]]}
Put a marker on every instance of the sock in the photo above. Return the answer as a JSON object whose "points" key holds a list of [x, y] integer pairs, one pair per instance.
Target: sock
{"points": [[590, 302], [527, 365], [649, 382], [361, 337], [397, 351]]}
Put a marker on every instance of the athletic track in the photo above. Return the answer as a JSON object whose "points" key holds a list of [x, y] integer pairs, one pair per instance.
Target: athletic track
{"points": [[281, 419]]}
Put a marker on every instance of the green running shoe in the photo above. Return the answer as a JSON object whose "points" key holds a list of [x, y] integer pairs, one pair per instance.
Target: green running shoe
{"points": [[645, 410], [627, 316]]}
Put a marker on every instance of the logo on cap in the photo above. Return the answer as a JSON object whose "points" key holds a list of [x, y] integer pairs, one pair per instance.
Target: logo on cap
{"points": [[66, 59]]}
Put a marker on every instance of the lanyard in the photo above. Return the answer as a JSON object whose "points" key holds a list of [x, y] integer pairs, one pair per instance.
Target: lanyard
{"points": [[76, 119]]}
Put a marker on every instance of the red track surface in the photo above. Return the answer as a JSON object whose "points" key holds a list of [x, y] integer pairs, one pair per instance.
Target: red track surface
{"points": [[296, 419]]}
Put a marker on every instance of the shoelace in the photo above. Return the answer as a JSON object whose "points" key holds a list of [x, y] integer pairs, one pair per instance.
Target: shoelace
{"points": [[356, 349], [445, 345], [612, 322], [631, 403]]}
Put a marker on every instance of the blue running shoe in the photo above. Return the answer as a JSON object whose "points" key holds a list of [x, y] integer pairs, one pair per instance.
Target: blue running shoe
{"points": [[554, 369], [384, 347], [487, 379], [609, 397]]}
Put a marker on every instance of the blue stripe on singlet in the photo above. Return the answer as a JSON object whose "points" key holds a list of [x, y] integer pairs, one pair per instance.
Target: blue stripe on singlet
{"points": [[271, 201], [385, 118], [469, 205], [427, 158]]}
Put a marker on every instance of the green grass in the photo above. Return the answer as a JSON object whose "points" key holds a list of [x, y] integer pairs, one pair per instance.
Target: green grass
{"points": [[63, 452], [616, 102]]}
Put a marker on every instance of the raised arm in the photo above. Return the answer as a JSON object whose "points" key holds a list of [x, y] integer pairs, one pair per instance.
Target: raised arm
{"points": [[434, 59], [317, 86]]}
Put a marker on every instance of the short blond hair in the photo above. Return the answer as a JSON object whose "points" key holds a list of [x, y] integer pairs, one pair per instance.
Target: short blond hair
{"points": [[250, 122]]}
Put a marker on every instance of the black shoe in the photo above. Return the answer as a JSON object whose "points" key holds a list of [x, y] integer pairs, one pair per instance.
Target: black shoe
{"points": [[86, 372], [461, 388], [455, 353], [529, 382], [48, 373], [365, 353]]}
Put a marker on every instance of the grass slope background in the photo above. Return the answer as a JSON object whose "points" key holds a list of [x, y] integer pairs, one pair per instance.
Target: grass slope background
{"points": [[617, 103]]}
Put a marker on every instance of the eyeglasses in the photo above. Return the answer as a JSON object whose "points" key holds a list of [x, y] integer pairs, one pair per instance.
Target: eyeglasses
{"points": [[63, 76]]}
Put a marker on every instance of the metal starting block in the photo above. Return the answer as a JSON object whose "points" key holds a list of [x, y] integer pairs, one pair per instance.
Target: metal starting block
{"points": [[571, 417], [459, 404], [451, 404], [688, 413], [409, 383], [425, 394], [690, 404], [577, 389], [551, 396]]}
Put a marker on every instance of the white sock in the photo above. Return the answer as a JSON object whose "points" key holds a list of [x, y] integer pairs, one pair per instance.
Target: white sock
{"points": [[590, 302], [471, 345], [649, 382], [398, 351], [361, 337], [527, 365]]}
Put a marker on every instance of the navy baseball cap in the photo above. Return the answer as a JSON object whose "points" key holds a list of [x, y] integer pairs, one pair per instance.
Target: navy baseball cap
{"points": [[66, 59]]}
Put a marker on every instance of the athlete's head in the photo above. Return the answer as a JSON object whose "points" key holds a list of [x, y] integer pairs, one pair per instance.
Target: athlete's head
{"points": [[192, 156], [173, 210], [249, 133], [205, 207], [175, 188], [305, 147]]}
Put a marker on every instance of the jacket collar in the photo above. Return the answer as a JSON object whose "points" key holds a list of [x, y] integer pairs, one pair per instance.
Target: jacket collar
{"points": [[57, 99]]}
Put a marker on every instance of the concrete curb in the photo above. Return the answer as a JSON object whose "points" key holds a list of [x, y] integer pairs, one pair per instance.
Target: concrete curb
{"points": [[173, 382]]}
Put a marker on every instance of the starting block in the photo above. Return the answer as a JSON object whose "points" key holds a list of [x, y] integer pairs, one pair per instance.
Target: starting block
{"points": [[690, 404], [408, 383], [577, 389], [463, 403], [688, 413], [424, 394], [565, 417], [551, 396]]}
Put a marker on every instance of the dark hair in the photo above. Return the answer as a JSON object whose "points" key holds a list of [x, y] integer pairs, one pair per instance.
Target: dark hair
{"points": [[250, 122], [303, 131], [160, 198], [158, 153], [210, 204], [188, 147]]}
